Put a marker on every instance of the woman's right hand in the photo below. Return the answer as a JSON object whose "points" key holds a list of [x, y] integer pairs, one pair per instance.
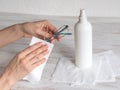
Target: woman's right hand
{"points": [[23, 63]]}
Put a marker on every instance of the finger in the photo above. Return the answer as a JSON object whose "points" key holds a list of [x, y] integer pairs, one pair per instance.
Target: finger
{"points": [[38, 57], [30, 49], [45, 34], [59, 37], [35, 61], [36, 64], [36, 52], [51, 27], [46, 23], [52, 40]]}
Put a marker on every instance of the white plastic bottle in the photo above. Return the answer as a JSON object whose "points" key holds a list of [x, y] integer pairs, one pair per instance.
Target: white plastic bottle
{"points": [[83, 42]]}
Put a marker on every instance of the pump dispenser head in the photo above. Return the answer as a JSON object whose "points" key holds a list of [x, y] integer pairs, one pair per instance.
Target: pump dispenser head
{"points": [[82, 16]]}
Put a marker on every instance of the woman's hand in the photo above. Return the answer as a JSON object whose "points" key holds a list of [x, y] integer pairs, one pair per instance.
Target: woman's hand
{"points": [[41, 29], [23, 63]]}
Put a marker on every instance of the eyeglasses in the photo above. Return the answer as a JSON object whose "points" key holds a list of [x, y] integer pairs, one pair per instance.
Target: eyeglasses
{"points": [[62, 31]]}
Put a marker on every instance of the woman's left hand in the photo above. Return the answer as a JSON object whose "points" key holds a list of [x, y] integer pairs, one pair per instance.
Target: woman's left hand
{"points": [[41, 29]]}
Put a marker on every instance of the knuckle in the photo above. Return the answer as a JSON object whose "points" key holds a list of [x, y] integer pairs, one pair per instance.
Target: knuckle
{"points": [[48, 35], [37, 57], [43, 54], [40, 62], [35, 52], [23, 62], [46, 21], [44, 47], [20, 55]]}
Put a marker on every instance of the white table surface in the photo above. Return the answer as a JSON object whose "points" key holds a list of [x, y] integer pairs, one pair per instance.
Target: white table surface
{"points": [[106, 36]]}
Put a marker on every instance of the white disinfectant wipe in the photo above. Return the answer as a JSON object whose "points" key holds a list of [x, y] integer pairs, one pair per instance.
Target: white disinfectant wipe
{"points": [[36, 74], [105, 69]]}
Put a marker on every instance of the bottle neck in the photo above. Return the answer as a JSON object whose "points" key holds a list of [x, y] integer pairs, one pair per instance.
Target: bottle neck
{"points": [[82, 19]]}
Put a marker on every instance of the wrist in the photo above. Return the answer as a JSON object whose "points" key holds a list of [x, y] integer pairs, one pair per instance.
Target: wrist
{"points": [[18, 30], [6, 82], [23, 29]]}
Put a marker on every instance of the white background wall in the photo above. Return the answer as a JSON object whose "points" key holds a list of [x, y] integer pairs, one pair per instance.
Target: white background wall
{"points": [[98, 8]]}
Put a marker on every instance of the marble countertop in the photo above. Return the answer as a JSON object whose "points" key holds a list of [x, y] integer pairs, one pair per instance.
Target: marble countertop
{"points": [[106, 36]]}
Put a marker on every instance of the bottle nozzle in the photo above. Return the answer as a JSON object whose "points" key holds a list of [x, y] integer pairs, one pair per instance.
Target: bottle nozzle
{"points": [[82, 15]]}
